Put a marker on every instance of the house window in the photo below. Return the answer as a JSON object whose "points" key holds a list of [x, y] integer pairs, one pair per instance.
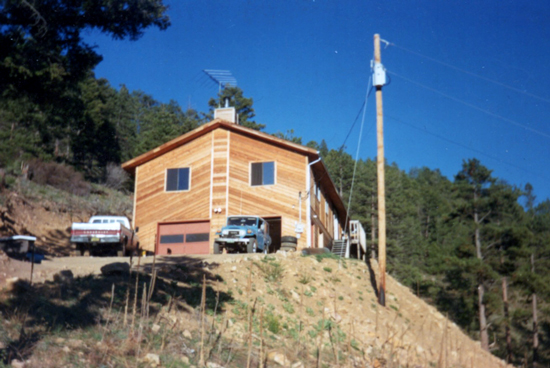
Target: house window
{"points": [[177, 179], [262, 173], [170, 239]]}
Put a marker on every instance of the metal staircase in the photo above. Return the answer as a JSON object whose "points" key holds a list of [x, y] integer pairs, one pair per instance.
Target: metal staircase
{"points": [[357, 242], [339, 247]]}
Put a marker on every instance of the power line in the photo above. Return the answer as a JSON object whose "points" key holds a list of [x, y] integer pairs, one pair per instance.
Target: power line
{"points": [[357, 151], [362, 109], [510, 121], [466, 147], [495, 82]]}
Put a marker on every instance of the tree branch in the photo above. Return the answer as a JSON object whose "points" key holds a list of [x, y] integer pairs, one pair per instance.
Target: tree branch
{"points": [[483, 218], [38, 19]]}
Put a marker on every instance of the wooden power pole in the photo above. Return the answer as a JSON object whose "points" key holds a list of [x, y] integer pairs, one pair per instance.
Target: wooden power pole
{"points": [[379, 79]]}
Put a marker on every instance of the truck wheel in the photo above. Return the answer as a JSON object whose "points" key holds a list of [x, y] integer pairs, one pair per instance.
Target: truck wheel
{"points": [[122, 253], [75, 251], [217, 248], [251, 246]]}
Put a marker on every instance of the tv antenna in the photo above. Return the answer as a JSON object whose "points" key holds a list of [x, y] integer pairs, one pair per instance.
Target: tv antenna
{"points": [[223, 78]]}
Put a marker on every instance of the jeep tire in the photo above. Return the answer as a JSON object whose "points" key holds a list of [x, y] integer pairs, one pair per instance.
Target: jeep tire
{"points": [[251, 246]]}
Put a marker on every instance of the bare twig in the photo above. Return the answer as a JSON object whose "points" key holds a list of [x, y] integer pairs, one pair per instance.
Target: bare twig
{"points": [[202, 311], [151, 289], [261, 338], [136, 290]]}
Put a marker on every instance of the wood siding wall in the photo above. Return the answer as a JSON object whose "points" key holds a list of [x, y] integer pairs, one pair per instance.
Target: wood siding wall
{"points": [[322, 217], [154, 204], [219, 163], [280, 199], [220, 167]]}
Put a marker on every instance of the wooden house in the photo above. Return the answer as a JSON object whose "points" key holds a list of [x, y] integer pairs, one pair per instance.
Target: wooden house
{"points": [[185, 188]]}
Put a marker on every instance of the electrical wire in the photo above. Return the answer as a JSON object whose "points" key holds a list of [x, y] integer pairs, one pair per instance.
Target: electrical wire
{"points": [[464, 146], [357, 117], [357, 154], [495, 82], [510, 121], [362, 109]]}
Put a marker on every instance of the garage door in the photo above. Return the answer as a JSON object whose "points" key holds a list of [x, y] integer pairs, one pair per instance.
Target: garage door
{"points": [[184, 238]]}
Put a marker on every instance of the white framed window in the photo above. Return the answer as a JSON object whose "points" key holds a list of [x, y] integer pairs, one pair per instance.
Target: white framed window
{"points": [[178, 180], [262, 173]]}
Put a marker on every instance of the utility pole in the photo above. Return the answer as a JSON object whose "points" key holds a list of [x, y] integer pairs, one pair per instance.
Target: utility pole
{"points": [[379, 79]]}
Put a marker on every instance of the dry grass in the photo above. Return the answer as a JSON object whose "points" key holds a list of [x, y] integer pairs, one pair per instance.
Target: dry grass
{"points": [[188, 315]]}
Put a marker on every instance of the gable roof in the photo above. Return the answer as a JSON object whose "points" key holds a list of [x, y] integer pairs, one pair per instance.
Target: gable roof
{"points": [[321, 175]]}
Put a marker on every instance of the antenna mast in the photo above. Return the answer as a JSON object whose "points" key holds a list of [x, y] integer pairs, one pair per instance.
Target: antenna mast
{"points": [[223, 78]]}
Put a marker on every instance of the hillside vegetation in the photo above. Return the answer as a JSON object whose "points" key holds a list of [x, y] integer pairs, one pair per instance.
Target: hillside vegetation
{"points": [[473, 245], [229, 311], [294, 294]]}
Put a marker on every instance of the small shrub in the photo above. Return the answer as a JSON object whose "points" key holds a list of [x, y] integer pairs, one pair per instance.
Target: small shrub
{"points": [[320, 257], [327, 269], [271, 271], [310, 311], [304, 279], [283, 295], [289, 308], [334, 279], [273, 323], [59, 176], [116, 177]]}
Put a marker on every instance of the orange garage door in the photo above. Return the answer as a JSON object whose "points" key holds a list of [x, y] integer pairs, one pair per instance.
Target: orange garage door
{"points": [[184, 238]]}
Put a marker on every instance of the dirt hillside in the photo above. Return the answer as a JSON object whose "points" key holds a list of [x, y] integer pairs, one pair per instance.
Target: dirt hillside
{"points": [[314, 310]]}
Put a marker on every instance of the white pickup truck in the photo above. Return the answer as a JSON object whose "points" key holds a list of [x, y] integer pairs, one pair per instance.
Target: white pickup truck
{"points": [[104, 235]]}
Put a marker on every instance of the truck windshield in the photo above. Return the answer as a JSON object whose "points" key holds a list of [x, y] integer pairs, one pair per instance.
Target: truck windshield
{"points": [[242, 221]]}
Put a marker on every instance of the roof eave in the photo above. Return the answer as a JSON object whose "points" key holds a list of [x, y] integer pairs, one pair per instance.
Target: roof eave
{"points": [[130, 166]]}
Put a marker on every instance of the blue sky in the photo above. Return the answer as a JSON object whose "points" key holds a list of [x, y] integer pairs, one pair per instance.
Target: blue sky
{"points": [[468, 78]]}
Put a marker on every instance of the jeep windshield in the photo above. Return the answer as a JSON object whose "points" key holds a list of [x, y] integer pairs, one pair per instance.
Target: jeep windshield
{"points": [[242, 221]]}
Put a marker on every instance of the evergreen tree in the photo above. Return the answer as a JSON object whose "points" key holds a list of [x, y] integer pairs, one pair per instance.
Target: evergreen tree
{"points": [[243, 106], [289, 136], [43, 60]]}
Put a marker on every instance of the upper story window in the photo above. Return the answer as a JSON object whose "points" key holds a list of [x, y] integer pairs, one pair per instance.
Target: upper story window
{"points": [[178, 179], [262, 173]]}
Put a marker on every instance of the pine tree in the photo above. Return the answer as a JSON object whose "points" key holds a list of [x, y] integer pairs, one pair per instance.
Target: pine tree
{"points": [[243, 106]]}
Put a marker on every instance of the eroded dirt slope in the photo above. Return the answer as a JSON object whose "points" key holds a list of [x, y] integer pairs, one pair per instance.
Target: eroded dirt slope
{"points": [[49, 222], [299, 293]]}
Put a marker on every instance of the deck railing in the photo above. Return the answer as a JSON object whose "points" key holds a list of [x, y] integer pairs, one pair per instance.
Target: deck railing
{"points": [[358, 235]]}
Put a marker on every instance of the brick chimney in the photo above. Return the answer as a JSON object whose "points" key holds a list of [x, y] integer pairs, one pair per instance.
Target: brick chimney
{"points": [[226, 113]]}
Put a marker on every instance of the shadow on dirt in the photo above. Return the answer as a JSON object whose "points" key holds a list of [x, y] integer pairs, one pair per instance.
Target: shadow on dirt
{"points": [[70, 304], [372, 277], [57, 243]]}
